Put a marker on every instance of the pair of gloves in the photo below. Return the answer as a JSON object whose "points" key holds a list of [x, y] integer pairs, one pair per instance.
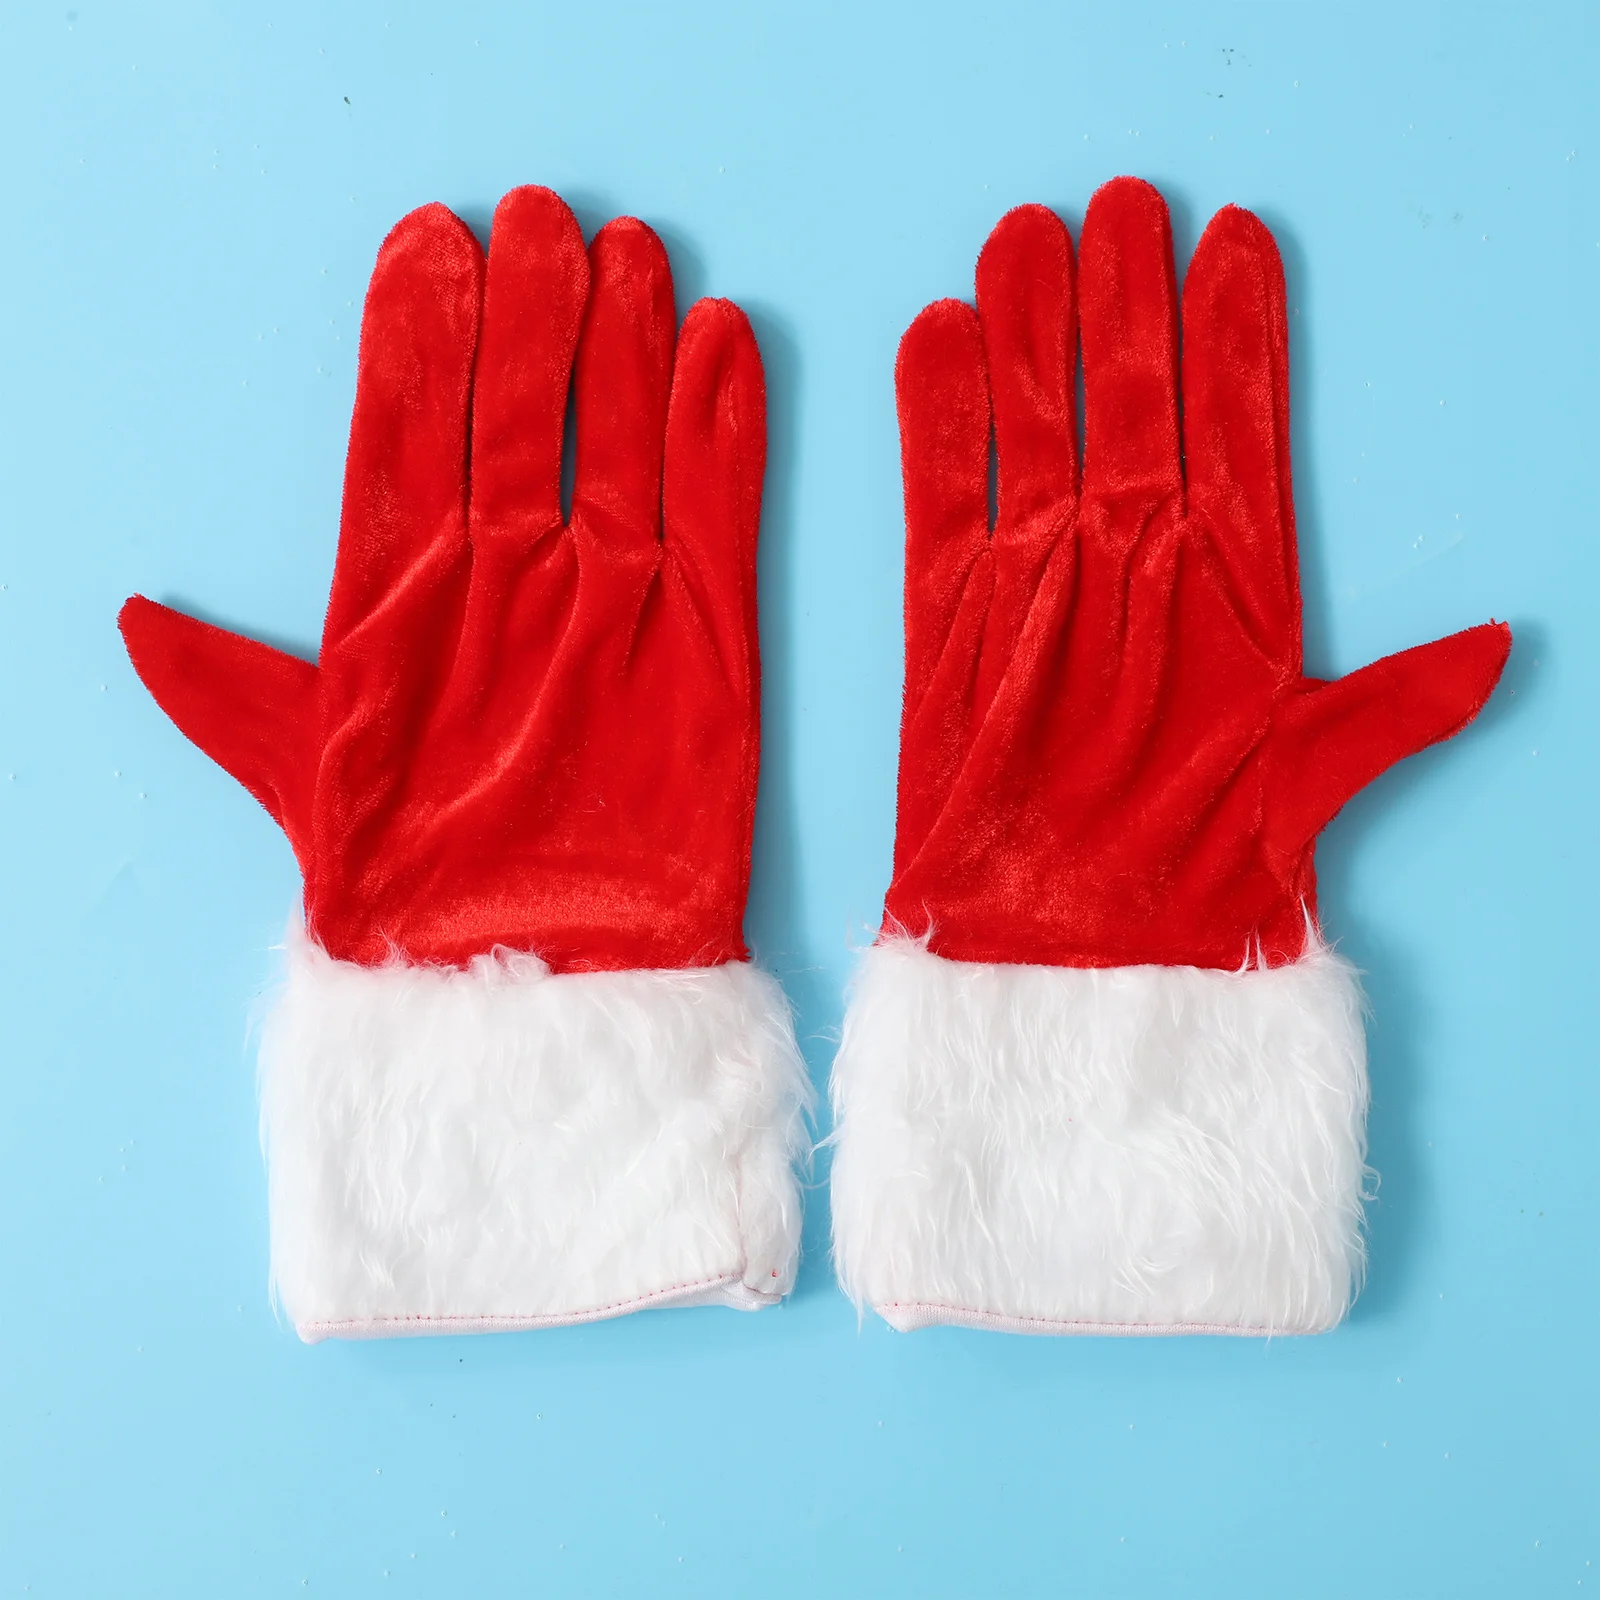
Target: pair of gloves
{"points": [[1099, 1073]]}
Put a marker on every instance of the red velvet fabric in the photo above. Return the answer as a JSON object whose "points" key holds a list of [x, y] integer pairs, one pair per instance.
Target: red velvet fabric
{"points": [[519, 731], [1110, 754]]}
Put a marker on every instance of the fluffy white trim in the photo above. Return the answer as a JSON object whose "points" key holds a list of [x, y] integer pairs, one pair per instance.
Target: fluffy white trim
{"points": [[501, 1147], [1139, 1150]]}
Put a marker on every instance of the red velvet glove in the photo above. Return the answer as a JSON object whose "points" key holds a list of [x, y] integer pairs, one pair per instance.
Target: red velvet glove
{"points": [[1100, 1071], [529, 747]]}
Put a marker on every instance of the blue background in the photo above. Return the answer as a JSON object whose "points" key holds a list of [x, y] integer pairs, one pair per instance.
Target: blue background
{"points": [[194, 196]]}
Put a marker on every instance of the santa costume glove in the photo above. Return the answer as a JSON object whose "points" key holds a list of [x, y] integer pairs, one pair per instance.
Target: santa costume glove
{"points": [[521, 1071], [1100, 1073]]}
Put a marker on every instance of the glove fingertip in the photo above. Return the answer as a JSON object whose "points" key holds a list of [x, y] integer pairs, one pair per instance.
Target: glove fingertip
{"points": [[1497, 646], [1479, 658], [133, 613], [943, 336], [717, 331], [143, 624]]}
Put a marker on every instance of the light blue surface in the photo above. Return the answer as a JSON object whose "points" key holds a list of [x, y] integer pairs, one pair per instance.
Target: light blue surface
{"points": [[194, 198]]}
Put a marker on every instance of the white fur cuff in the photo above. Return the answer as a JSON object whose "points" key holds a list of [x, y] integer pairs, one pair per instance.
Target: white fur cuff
{"points": [[1137, 1150], [501, 1147]]}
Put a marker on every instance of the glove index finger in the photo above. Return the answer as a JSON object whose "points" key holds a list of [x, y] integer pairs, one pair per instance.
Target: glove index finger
{"points": [[402, 535], [1236, 419]]}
